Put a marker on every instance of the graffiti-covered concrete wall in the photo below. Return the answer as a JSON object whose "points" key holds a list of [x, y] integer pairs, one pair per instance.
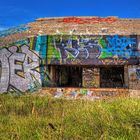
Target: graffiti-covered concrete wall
{"points": [[94, 50], [134, 77], [134, 80], [24, 64]]}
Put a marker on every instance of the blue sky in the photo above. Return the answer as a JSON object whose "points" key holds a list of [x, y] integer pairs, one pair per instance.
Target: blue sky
{"points": [[16, 12]]}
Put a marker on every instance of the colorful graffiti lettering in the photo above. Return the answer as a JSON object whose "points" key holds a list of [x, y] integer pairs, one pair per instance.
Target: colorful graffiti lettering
{"points": [[82, 48], [18, 68], [119, 46], [23, 65], [78, 48]]}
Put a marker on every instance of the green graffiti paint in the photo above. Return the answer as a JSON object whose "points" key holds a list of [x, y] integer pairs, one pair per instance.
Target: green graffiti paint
{"points": [[102, 43], [53, 52]]}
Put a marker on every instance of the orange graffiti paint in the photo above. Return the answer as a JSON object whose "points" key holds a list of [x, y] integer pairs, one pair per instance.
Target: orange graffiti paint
{"points": [[93, 20]]}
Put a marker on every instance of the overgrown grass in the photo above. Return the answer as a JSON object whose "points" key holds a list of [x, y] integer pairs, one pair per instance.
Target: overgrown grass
{"points": [[43, 118]]}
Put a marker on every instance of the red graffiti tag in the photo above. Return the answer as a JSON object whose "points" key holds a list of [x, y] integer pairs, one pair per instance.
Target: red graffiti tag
{"points": [[92, 20]]}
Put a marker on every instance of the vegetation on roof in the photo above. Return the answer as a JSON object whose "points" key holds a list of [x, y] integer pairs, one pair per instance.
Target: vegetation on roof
{"points": [[14, 30]]}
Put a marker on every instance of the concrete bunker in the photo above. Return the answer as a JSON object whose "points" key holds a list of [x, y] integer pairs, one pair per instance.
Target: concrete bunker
{"points": [[86, 76], [99, 54]]}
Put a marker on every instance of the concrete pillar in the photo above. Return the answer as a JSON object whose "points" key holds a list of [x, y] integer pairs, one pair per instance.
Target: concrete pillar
{"points": [[97, 76], [91, 77], [126, 79]]}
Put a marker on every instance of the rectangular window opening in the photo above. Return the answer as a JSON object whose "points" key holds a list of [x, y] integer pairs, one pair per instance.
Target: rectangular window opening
{"points": [[86, 76], [112, 77], [65, 76]]}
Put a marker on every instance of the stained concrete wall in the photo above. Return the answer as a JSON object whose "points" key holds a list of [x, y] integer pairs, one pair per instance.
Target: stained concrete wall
{"points": [[134, 80], [91, 77], [23, 64], [89, 93]]}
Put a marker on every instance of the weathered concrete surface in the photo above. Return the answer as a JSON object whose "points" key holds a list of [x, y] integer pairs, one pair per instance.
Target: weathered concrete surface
{"points": [[77, 26], [134, 93], [25, 55], [90, 93]]}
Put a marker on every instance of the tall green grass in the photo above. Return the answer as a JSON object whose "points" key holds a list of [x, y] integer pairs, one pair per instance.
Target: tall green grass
{"points": [[43, 118]]}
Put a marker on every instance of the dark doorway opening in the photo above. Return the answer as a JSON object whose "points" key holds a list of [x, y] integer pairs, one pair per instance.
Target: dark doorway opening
{"points": [[66, 76], [111, 77]]}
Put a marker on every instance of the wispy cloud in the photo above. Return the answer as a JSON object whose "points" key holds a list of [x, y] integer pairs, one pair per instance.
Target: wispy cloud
{"points": [[3, 28]]}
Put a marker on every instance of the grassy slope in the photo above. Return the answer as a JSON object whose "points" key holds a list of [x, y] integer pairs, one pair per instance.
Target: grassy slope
{"points": [[42, 118]]}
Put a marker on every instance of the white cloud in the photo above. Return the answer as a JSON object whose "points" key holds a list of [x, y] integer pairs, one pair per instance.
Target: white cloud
{"points": [[2, 28]]}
